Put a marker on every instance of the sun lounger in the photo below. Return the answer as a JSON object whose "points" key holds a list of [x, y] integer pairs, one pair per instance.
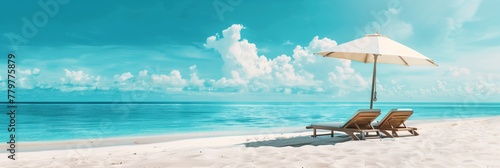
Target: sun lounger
{"points": [[359, 122], [395, 121]]}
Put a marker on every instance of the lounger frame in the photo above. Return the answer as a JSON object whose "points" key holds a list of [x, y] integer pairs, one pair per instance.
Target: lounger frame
{"points": [[359, 123], [395, 121]]}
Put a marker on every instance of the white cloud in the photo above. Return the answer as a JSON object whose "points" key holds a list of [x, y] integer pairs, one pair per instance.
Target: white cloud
{"points": [[304, 55], [195, 80], [285, 74], [288, 42], [143, 73], [25, 83], [25, 72], [172, 81], [235, 81], [387, 22], [481, 88], [463, 11], [79, 77], [442, 85], [192, 68], [36, 71], [123, 77], [238, 54], [345, 79], [28, 78], [243, 66], [484, 85], [287, 91], [79, 80], [456, 71]]}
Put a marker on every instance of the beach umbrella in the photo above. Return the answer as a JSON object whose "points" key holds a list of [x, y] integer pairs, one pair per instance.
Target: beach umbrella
{"points": [[377, 49]]}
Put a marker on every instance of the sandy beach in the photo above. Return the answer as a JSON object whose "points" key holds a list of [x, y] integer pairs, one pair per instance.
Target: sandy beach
{"points": [[450, 143]]}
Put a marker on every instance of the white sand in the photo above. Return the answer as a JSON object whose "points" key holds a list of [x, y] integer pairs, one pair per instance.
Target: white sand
{"points": [[454, 143]]}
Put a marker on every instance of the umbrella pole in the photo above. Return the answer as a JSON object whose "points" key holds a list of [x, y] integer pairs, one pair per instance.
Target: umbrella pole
{"points": [[375, 56]]}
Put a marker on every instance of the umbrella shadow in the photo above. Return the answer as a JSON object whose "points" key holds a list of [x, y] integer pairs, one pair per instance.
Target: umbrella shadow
{"points": [[299, 141]]}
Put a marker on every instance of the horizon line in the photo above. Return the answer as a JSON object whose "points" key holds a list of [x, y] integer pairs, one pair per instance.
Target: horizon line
{"points": [[210, 102]]}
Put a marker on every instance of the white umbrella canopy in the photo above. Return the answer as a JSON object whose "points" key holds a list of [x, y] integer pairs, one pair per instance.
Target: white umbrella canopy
{"points": [[378, 49], [389, 51]]}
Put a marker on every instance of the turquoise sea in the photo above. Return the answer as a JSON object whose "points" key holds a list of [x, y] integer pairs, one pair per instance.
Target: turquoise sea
{"points": [[64, 121]]}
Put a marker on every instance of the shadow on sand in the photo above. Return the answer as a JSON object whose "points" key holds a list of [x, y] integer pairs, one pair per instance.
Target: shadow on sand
{"points": [[308, 140], [300, 141]]}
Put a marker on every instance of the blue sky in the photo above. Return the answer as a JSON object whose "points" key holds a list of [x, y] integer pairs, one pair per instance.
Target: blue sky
{"points": [[246, 50]]}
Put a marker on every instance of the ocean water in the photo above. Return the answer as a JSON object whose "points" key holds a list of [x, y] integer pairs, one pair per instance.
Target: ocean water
{"points": [[63, 121]]}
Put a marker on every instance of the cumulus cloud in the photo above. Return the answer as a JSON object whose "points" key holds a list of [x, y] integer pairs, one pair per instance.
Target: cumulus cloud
{"points": [[123, 77], [483, 86], [235, 81], [25, 72], [28, 78], [172, 81], [195, 80], [79, 80], [303, 55], [143, 73], [247, 70], [345, 79], [441, 85], [456, 71], [238, 54], [285, 73], [36, 71]]}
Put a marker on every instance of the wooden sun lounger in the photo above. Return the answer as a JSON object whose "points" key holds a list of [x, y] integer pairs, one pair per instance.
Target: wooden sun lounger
{"points": [[395, 121], [360, 122]]}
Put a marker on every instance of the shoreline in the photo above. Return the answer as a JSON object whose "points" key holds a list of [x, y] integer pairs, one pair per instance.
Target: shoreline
{"points": [[32, 146]]}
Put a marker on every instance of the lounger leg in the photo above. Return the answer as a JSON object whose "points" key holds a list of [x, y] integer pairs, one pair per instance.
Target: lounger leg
{"points": [[362, 134], [314, 133], [332, 134], [354, 137], [386, 133], [413, 132], [395, 134]]}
